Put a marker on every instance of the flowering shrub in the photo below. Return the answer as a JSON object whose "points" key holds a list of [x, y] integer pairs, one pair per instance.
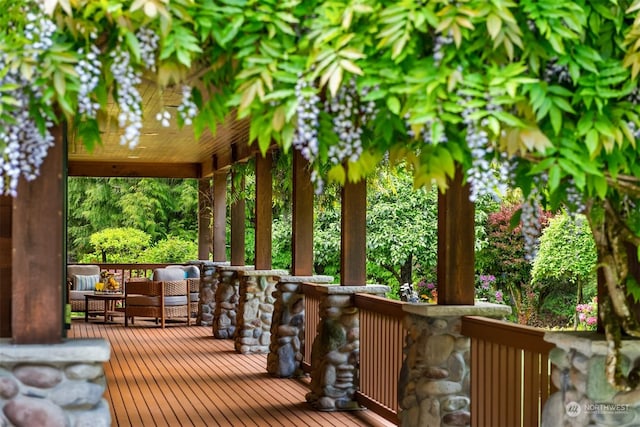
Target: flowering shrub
{"points": [[428, 292], [588, 315], [486, 289]]}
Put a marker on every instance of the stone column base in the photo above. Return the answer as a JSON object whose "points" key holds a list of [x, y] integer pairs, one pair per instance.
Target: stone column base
{"points": [[208, 288], [335, 354], [227, 297], [585, 397], [287, 327], [54, 385], [255, 310]]}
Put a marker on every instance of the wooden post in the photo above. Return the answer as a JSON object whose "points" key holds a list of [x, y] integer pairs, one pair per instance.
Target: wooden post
{"points": [[238, 216], [353, 245], [205, 238], [220, 216], [37, 265], [6, 206], [264, 211], [456, 240], [302, 218]]}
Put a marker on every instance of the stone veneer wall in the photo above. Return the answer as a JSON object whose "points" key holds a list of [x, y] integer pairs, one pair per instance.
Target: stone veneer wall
{"points": [[55, 385], [208, 288], [335, 353], [287, 327], [255, 310], [227, 297], [433, 389], [585, 398]]}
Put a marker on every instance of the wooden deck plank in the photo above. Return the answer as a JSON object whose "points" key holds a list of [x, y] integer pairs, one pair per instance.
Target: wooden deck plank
{"points": [[181, 375]]}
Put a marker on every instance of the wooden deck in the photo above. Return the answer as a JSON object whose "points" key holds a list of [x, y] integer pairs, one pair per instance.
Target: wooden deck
{"points": [[182, 376]]}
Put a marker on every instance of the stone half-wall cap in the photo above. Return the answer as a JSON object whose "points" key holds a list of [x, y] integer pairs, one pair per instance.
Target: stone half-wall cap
{"points": [[207, 262], [276, 273], [485, 309], [76, 350], [350, 290], [591, 343], [306, 279], [227, 267]]}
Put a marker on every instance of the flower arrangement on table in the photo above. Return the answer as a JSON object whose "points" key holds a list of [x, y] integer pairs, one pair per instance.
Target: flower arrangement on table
{"points": [[107, 283]]}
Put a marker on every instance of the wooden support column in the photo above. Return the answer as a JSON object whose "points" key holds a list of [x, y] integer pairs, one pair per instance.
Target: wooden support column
{"points": [[37, 241], [353, 245], [264, 211], [238, 217], [220, 216], [205, 212], [302, 218], [6, 206], [456, 244]]}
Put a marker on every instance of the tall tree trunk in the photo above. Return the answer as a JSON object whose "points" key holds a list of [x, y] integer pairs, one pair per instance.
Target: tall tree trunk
{"points": [[406, 271], [612, 238]]}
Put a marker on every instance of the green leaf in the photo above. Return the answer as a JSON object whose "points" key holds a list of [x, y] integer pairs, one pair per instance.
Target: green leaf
{"points": [[555, 174], [556, 119], [393, 104]]}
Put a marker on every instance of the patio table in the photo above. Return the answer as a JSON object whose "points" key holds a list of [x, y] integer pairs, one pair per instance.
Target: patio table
{"points": [[109, 299]]}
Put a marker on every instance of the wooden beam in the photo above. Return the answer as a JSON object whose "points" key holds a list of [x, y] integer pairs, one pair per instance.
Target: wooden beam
{"points": [[134, 170], [220, 216], [238, 217], [37, 265], [242, 153], [205, 214], [6, 206], [456, 243], [302, 218], [264, 211], [353, 254]]}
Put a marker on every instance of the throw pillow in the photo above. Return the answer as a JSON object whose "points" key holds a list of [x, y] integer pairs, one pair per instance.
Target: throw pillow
{"points": [[86, 283]]}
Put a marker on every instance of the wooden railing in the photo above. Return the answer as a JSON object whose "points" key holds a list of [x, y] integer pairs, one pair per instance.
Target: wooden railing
{"points": [[126, 271], [312, 298], [382, 335], [510, 372]]}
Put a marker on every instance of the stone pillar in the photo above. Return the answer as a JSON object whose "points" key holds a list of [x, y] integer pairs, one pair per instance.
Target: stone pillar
{"points": [[287, 327], [208, 287], [335, 353], [54, 385], [584, 396], [433, 389], [227, 297], [255, 310]]}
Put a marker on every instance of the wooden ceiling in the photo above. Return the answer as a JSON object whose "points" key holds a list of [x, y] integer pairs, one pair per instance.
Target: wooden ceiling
{"points": [[162, 151]]}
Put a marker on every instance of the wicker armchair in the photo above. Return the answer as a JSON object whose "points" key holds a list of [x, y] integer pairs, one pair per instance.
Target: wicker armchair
{"points": [[161, 299]]}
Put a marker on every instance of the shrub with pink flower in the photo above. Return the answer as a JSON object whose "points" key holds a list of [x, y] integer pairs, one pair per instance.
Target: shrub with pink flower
{"points": [[588, 315], [486, 289]]}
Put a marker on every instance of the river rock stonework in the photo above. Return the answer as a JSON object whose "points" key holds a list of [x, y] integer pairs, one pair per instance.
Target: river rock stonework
{"points": [[255, 310], [433, 389], [287, 327], [208, 288], [578, 368], [227, 297], [335, 355], [64, 390]]}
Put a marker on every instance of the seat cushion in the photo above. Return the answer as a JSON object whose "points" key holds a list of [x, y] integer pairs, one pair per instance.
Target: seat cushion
{"points": [[78, 295], [168, 274], [176, 300], [190, 271]]}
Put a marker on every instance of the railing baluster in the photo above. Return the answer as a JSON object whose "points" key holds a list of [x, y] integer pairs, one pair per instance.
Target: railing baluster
{"points": [[509, 372]]}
